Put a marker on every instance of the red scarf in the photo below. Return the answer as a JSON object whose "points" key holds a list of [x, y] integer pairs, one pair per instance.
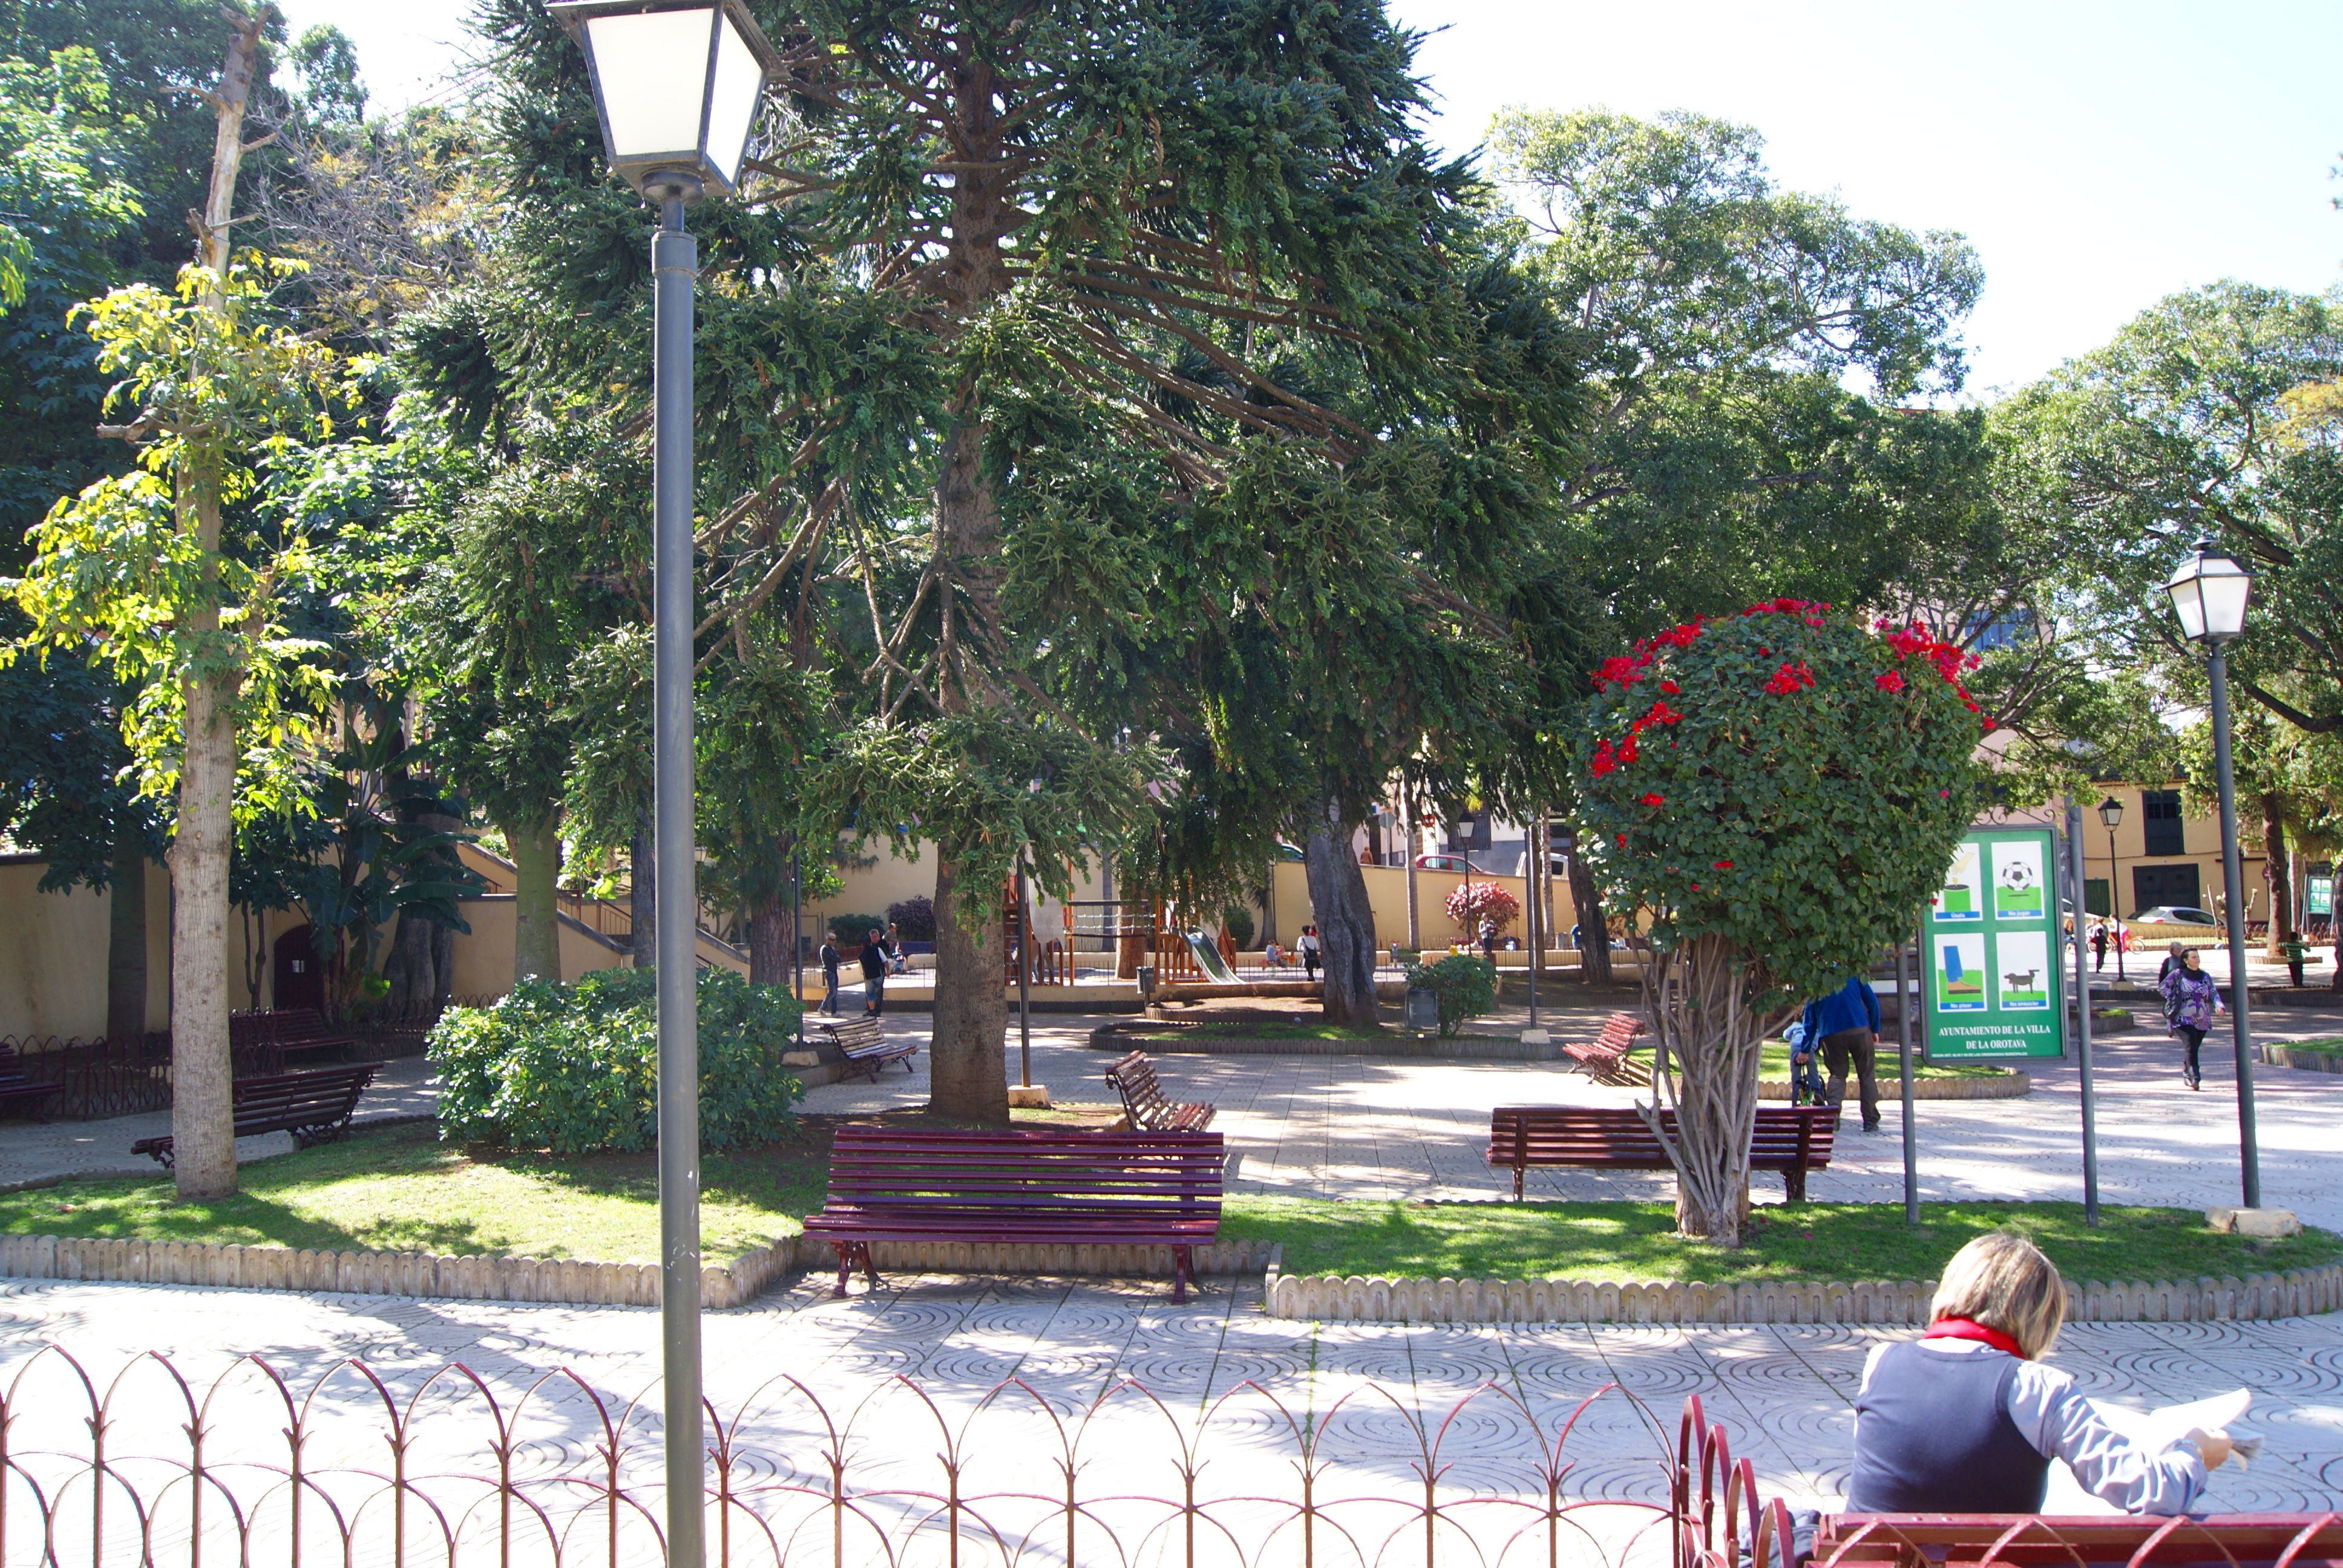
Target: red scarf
{"points": [[1965, 1328]]}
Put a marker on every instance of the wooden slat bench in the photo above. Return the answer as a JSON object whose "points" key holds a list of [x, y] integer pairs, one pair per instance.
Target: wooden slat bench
{"points": [[1137, 1188], [313, 1107], [1790, 1138], [865, 1045], [293, 1030], [2087, 1541], [18, 1088], [1143, 1100], [1605, 1058]]}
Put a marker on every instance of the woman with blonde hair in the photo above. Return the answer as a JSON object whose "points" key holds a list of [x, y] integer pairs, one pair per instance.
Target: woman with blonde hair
{"points": [[1967, 1420]]}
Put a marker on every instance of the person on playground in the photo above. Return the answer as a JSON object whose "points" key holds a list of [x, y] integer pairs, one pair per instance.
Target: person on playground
{"points": [[2190, 1001], [1844, 1026], [874, 972], [1805, 1075], [1967, 1420], [830, 963], [1307, 945]]}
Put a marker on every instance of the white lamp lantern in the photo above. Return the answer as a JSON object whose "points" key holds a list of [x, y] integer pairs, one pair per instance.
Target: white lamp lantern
{"points": [[2209, 588], [676, 84]]}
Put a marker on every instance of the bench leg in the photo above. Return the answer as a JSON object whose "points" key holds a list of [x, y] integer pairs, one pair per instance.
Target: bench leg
{"points": [[869, 1269], [1183, 1264], [845, 1266], [1794, 1183], [1519, 1172]]}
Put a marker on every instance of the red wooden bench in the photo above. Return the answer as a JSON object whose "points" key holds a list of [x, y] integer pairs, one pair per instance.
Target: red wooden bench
{"points": [[17, 1087], [1144, 1102], [291, 1029], [2091, 1540], [1605, 1058], [907, 1184], [313, 1107], [863, 1042], [1790, 1138]]}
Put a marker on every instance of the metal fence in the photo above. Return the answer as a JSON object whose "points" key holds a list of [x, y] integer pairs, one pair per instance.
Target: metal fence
{"points": [[152, 1467]]}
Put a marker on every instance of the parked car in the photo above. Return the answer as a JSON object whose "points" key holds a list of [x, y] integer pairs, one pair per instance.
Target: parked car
{"points": [[2174, 920], [1290, 852], [1450, 863]]}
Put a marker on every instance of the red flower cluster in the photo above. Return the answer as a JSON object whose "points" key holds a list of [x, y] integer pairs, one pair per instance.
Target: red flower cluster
{"points": [[1723, 866], [1608, 756], [1620, 670], [1888, 680], [1790, 677], [1811, 610], [1949, 662], [1627, 669], [1653, 797]]}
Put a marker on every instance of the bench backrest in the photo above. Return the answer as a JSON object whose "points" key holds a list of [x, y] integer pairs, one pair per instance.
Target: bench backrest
{"points": [[2093, 1541], [857, 1034], [1139, 1175], [1142, 1093], [329, 1090], [1619, 1032], [1561, 1134]]}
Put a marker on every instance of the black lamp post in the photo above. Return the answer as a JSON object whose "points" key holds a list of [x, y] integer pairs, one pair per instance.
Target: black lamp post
{"points": [[677, 88], [2111, 813], [2209, 590]]}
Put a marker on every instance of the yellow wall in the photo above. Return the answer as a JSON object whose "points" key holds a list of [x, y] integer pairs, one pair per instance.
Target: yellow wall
{"points": [[53, 954], [2200, 843], [1387, 896]]}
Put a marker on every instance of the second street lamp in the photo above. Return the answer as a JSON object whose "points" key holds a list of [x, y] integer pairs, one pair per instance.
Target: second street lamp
{"points": [[2208, 591], [2111, 813], [677, 88]]}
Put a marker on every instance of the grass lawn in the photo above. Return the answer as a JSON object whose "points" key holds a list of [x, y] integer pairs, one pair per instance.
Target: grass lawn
{"points": [[400, 1190], [1773, 1061], [1237, 1028], [1811, 1240], [2325, 1045]]}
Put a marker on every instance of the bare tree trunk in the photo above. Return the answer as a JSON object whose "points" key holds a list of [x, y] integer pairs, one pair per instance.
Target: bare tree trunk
{"points": [[1593, 932], [203, 1124], [125, 941], [2281, 879], [407, 967], [1696, 998], [1346, 926], [537, 927], [772, 939], [968, 1073], [642, 897], [443, 968]]}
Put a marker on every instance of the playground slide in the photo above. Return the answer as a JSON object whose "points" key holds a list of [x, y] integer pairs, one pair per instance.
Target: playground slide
{"points": [[1209, 960]]}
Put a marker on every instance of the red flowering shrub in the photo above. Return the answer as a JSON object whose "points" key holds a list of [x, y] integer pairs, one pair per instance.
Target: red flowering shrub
{"points": [[1814, 776], [1467, 903]]}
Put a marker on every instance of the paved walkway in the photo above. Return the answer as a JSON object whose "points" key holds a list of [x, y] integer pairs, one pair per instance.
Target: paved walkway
{"points": [[1369, 1127]]}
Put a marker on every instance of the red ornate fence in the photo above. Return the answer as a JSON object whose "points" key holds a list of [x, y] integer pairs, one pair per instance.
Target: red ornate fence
{"points": [[151, 1468]]}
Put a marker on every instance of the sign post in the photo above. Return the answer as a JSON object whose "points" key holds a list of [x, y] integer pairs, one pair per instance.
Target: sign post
{"points": [[1990, 984]]}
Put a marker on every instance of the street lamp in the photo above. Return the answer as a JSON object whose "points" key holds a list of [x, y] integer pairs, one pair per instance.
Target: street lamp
{"points": [[676, 86], [2111, 813], [2209, 590]]}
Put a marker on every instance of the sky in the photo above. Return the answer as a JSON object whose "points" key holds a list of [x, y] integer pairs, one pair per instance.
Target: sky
{"points": [[2099, 155]]}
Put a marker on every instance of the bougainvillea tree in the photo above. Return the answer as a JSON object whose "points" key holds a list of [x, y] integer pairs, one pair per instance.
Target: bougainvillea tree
{"points": [[1777, 792], [1469, 901]]}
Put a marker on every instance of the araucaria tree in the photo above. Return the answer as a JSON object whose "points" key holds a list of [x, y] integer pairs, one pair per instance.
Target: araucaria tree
{"points": [[1777, 792]]}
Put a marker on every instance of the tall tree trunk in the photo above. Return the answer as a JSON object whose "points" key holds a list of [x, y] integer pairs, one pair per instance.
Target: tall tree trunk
{"points": [[968, 1071], [1594, 934], [537, 927], [125, 941], [407, 967], [1695, 998], [1346, 926], [772, 938], [443, 968], [642, 896], [203, 1124], [2281, 879]]}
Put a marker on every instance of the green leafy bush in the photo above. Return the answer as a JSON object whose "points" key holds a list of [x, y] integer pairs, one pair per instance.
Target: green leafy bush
{"points": [[852, 930], [1465, 986], [1239, 922], [574, 1069], [914, 918]]}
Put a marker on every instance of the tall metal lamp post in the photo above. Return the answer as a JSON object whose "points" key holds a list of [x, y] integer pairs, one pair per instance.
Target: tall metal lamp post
{"points": [[677, 88], [2111, 813], [2209, 590]]}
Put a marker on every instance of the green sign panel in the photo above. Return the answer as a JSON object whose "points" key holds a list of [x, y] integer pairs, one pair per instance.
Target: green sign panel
{"points": [[1990, 981], [2322, 896]]}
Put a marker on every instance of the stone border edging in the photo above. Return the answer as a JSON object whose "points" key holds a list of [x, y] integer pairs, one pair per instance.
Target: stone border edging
{"points": [[558, 1281], [2015, 1086], [1336, 1299], [2301, 1060], [1162, 1039]]}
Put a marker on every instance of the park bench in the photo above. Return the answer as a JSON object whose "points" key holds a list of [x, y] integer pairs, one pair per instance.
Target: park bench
{"points": [[1047, 1188], [291, 1029], [17, 1087], [1605, 1058], [865, 1045], [2091, 1540], [313, 1107], [1790, 1138], [1143, 1100]]}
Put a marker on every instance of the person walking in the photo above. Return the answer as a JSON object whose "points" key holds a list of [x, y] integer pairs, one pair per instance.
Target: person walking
{"points": [[1308, 946], [1489, 940], [1844, 1026], [874, 974], [2098, 946], [2172, 960], [830, 963], [2190, 1001]]}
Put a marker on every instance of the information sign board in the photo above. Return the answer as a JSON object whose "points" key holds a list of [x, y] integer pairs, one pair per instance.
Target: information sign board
{"points": [[1991, 983]]}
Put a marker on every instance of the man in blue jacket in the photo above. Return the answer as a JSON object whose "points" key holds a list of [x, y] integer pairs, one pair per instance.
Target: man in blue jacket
{"points": [[1846, 1025]]}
